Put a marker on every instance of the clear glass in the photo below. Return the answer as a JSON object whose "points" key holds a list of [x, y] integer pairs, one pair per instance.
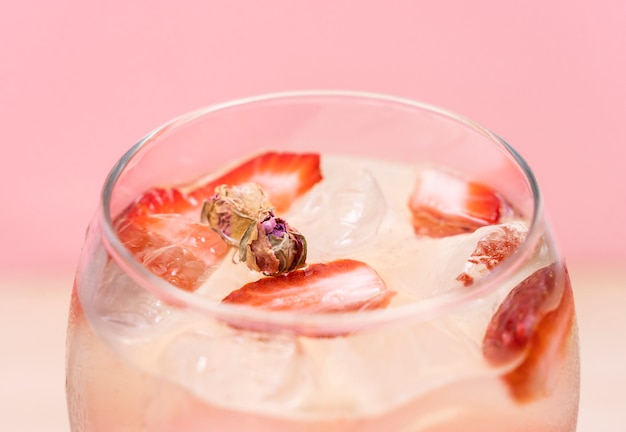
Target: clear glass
{"points": [[144, 355]]}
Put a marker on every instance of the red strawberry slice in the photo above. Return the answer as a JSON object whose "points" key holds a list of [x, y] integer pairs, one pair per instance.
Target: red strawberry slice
{"points": [[162, 234], [338, 286], [160, 227], [533, 323], [177, 250], [162, 201], [443, 204], [283, 176]]}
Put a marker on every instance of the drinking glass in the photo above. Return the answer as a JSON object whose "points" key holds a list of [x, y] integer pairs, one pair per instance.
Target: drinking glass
{"points": [[473, 339]]}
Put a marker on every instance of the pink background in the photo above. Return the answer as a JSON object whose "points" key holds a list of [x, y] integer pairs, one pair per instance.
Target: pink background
{"points": [[80, 82]]}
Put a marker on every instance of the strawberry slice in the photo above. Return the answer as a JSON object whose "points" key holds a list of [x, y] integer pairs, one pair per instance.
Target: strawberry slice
{"points": [[283, 176], [161, 201], [160, 227], [443, 204], [338, 286], [160, 231], [532, 323], [173, 248]]}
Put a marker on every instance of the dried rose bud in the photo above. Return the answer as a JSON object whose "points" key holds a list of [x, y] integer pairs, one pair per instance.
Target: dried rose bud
{"points": [[273, 247], [243, 217], [232, 210]]}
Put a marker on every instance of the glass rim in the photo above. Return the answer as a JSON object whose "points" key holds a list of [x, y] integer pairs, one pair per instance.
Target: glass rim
{"points": [[423, 309]]}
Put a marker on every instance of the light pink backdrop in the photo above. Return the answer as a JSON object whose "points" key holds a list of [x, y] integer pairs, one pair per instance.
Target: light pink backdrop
{"points": [[82, 81]]}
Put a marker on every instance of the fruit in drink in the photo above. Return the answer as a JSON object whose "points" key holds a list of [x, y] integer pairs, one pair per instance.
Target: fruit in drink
{"points": [[444, 204], [532, 324], [266, 376], [337, 286], [162, 227]]}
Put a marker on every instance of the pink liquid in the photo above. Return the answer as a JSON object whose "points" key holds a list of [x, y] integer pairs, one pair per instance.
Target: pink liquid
{"points": [[108, 394], [427, 376]]}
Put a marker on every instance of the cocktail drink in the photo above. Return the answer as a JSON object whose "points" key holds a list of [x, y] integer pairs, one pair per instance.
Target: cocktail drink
{"points": [[321, 261]]}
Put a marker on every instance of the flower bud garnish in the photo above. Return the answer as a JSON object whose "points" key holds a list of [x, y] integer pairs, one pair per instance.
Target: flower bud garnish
{"points": [[233, 209], [273, 247], [243, 216]]}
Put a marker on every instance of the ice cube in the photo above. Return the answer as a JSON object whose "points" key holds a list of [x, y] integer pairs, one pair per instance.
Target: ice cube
{"points": [[342, 214], [370, 372], [491, 249], [425, 267], [239, 368], [120, 302], [419, 268]]}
